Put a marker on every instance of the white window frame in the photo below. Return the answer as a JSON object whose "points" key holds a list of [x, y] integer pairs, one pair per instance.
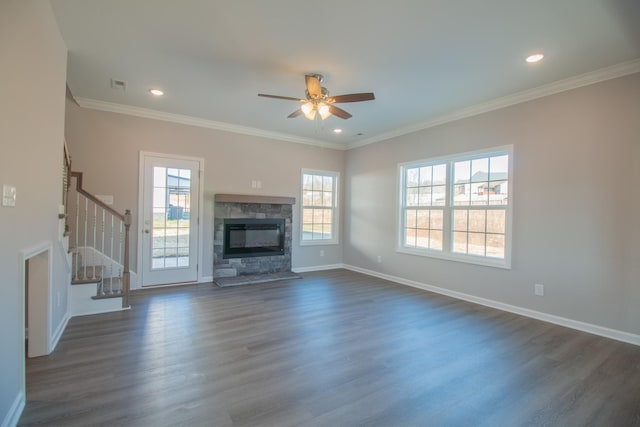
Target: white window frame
{"points": [[334, 214], [447, 251]]}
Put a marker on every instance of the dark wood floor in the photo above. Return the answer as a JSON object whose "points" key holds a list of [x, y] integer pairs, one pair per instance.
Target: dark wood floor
{"points": [[335, 348]]}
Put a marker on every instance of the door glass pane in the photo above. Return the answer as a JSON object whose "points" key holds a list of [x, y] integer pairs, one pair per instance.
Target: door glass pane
{"points": [[171, 215]]}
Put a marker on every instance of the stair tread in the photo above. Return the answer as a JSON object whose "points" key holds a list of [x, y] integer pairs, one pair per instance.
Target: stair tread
{"points": [[107, 296], [85, 281]]}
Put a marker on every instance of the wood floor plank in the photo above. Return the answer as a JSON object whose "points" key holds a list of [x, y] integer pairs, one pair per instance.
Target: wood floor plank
{"points": [[333, 348]]}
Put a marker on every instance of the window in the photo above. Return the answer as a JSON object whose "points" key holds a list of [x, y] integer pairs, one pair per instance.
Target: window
{"points": [[319, 207], [457, 207]]}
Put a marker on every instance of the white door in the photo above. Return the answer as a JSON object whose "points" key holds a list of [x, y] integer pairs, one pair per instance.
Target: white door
{"points": [[169, 229]]}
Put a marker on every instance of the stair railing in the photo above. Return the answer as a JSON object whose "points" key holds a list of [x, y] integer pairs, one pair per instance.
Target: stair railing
{"points": [[100, 241]]}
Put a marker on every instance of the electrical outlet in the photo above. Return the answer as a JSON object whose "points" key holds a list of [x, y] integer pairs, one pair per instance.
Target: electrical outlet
{"points": [[321, 252], [379, 259], [538, 289]]}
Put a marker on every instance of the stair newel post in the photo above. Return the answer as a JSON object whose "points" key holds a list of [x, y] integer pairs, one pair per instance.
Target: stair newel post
{"points": [[125, 274]]}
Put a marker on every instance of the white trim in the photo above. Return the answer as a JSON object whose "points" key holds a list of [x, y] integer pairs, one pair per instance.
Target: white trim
{"points": [[448, 208], [109, 310], [200, 218], [147, 113], [43, 247], [593, 77], [317, 268], [534, 314], [13, 416], [60, 330], [603, 74], [335, 175], [141, 166], [456, 257], [205, 279]]}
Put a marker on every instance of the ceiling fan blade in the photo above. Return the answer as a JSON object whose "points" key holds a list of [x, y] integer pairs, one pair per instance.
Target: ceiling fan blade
{"points": [[313, 86], [353, 97], [289, 98], [339, 112], [295, 114]]}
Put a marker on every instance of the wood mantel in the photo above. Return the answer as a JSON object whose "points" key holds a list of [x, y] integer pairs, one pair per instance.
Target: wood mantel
{"points": [[247, 198]]}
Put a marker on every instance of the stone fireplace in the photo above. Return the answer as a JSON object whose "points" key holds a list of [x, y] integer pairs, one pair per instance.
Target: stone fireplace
{"points": [[252, 235]]}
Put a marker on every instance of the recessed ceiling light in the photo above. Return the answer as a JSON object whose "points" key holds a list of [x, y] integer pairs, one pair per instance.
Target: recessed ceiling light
{"points": [[536, 57], [156, 92], [337, 131]]}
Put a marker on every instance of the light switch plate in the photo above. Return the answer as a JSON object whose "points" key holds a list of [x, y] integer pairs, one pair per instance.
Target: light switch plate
{"points": [[8, 195]]}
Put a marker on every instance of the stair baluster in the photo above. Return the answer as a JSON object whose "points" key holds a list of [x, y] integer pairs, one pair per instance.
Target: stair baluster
{"points": [[97, 261]]}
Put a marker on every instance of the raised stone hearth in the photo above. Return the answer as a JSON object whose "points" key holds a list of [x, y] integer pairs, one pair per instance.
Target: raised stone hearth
{"points": [[255, 278], [236, 206]]}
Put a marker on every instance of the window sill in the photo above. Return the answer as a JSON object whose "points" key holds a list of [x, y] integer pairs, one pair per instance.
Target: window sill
{"points": [[467, 259], [318, 242]]}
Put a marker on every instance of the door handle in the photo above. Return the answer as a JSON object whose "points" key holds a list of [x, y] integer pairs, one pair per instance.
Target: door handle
{"points": [[146, 231]]}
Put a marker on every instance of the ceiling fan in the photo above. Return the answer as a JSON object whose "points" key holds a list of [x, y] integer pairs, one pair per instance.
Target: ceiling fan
{"points": [[319, 102]]}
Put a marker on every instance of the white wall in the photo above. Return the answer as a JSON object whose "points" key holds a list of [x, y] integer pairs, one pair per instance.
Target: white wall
{"points": [[106, 146], [576, 204], [575, 171], [32, 92]]}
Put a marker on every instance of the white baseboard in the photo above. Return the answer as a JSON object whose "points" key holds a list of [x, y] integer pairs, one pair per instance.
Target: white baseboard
{"points": [[545, 317], [13, 416], [59, 331], [135, 284], [317, 268], [102, 311]]}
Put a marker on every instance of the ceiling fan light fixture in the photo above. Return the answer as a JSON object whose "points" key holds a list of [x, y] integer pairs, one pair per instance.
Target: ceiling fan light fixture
{"points": [[323, 110], [307, 107], [318, 102], [308, 110]]}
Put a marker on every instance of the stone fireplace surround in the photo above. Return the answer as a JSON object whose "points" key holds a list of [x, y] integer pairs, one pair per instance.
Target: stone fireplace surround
{"points": [[258, 207]]}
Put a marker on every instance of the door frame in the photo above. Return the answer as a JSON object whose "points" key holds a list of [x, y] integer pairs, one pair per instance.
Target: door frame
{"points": [[200, 246]]}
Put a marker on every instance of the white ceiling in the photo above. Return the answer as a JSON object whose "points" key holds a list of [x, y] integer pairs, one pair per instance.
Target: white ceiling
{"points": [[425, 60]]}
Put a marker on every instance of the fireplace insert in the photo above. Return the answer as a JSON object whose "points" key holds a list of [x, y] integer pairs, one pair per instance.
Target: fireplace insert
{"points": [[247, 237]]}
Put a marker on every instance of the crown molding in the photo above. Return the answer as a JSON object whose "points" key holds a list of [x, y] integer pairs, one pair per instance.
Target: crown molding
{"points": [[608, 73], [203, 123]]}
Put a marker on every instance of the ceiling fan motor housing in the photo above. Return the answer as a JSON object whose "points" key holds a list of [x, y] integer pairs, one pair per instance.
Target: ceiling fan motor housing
{"points": [[323, 94]]}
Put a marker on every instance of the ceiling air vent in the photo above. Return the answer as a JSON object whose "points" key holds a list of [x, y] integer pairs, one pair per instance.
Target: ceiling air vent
{"points": [[118, 84]]}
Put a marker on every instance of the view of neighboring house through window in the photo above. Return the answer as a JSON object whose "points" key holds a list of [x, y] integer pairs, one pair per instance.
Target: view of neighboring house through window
{"points": [[457, 207], [319, 207], [171, 216]]}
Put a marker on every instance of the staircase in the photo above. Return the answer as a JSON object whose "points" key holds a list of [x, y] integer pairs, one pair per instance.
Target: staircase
{"points": [[99, 247]]}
